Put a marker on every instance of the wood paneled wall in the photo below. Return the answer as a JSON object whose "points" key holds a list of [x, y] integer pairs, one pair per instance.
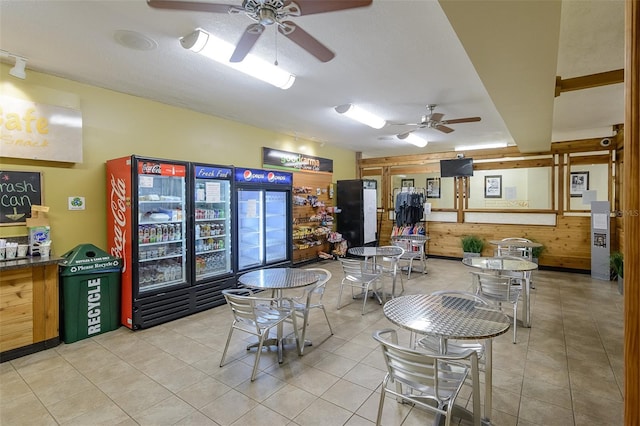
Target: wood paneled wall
{"points": [[567, 245]]}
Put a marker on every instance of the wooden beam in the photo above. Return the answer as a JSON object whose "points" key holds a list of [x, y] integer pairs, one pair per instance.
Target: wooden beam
{"points": [[589, 81]]}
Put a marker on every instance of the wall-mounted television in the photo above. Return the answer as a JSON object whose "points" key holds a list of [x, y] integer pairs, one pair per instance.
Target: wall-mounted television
{"points": [[456, 167]]}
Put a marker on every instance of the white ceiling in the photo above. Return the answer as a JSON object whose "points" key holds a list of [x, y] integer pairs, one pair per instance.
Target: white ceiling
{"points": [[493, 59]]}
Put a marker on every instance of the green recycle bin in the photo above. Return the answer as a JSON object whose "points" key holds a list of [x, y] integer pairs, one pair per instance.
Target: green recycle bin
{"points": [[90, 292]]}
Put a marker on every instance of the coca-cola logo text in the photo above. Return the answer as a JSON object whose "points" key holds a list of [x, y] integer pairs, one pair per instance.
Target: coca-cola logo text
{"points": [[118, 203], [151, 168]]}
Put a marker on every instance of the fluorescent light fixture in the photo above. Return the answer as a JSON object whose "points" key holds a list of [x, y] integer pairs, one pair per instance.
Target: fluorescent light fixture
{"points": [[481, 146], [413, 139], [220, 51], [361, 115]]}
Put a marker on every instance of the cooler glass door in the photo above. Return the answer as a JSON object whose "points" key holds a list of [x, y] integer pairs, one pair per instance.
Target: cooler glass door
{"points": [[212, 228], [250, 229], [161, 232], [276, 227]]}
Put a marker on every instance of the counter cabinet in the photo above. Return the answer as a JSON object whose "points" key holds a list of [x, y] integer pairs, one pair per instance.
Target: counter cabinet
{"points": [[29, 306]]}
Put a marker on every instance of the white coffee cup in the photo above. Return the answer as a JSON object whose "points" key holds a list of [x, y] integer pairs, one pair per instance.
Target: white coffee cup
{"points": [[22, 250], [45, 251], [11, 251]]}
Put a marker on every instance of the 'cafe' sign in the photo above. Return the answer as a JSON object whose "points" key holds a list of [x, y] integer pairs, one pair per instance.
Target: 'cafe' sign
{"points": [[39, 132]]}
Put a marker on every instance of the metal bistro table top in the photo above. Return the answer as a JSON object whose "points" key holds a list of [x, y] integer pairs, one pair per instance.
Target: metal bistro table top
{"points": [[278, 278], [375, 251], [506, 263], [446, 316]]}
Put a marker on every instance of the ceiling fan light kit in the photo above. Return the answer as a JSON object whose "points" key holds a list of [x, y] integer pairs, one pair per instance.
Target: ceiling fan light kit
{"points": [[361, 115], [269, 12], [204, 43], [413, 139]]}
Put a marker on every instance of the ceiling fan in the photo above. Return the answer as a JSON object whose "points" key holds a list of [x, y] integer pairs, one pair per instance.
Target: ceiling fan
{"points": [[433, 120], [269, 12]]}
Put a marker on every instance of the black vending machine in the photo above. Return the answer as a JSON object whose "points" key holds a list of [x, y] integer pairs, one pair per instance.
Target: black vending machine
{"points": [[357, 221]]}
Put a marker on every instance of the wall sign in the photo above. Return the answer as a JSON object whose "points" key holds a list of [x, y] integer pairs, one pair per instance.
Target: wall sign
{"points": [[39, 132], [18, 192], [294, 161]]}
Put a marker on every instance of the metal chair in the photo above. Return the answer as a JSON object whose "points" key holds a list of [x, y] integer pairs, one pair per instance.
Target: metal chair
{"points": [[427, 380], [311, 298], [507, 250], [413, 250], [257, 316], [498, 289], [526, 252], [390, 266], [359, 274]]}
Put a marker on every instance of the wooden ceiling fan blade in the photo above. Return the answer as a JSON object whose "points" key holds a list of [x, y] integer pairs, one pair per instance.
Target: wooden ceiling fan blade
{"points": [[436, 116], [443, 129], [248, 39], [305, 40], [310, 7], [192, 5], [462, 120]]}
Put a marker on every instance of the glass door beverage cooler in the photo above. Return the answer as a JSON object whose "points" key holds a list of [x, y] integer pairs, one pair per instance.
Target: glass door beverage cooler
{"points": [[263, 218], [212, 230], [147, 227]]}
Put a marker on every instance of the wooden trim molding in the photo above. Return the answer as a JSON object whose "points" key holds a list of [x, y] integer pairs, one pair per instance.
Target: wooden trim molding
{"points": [[631, 219]]}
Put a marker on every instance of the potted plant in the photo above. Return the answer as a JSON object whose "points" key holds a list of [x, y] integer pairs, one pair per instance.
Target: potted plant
{"points": [[472, 245], [536, 251], [616, 261]]}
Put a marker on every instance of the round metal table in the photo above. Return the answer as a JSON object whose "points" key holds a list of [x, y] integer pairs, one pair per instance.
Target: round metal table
{"points": [[374, 252], [450, 317], [277, 279]]}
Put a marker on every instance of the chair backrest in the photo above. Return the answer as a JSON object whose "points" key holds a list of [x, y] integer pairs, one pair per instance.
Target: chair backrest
{"points": [[352, 267], [418, 369], [506, 250], [496, 287], [242, 304], [319, 287]]}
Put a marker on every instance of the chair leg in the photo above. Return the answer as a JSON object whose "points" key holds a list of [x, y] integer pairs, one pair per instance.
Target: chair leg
{"points": [[299, 344], [327, 318], [381, 405], [304, 331], [409, 270], [515, 321], [364, 299], [258, 353], [224, 353], [340, 295]]}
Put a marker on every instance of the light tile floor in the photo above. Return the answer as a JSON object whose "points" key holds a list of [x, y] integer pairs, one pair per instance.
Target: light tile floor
{"points": [[567, 369]]}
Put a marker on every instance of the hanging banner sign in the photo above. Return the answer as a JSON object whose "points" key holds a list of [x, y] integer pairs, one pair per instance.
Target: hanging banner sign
{"points": [[39, 132], [296, 162]]}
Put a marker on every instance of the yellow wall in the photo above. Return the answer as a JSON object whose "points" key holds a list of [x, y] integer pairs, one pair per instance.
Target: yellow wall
{"points": [[117, 125]]}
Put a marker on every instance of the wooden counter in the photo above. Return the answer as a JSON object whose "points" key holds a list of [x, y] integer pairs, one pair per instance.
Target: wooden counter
{"points": [[29, 306]]}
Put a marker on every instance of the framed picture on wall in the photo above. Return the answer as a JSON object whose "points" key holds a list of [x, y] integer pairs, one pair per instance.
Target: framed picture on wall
{"points": [[433, 187], [493, 186], [578, 183], [407, 183]]}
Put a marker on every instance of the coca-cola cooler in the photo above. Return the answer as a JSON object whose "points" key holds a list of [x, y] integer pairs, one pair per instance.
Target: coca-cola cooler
{"points": [[148, 227]]}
